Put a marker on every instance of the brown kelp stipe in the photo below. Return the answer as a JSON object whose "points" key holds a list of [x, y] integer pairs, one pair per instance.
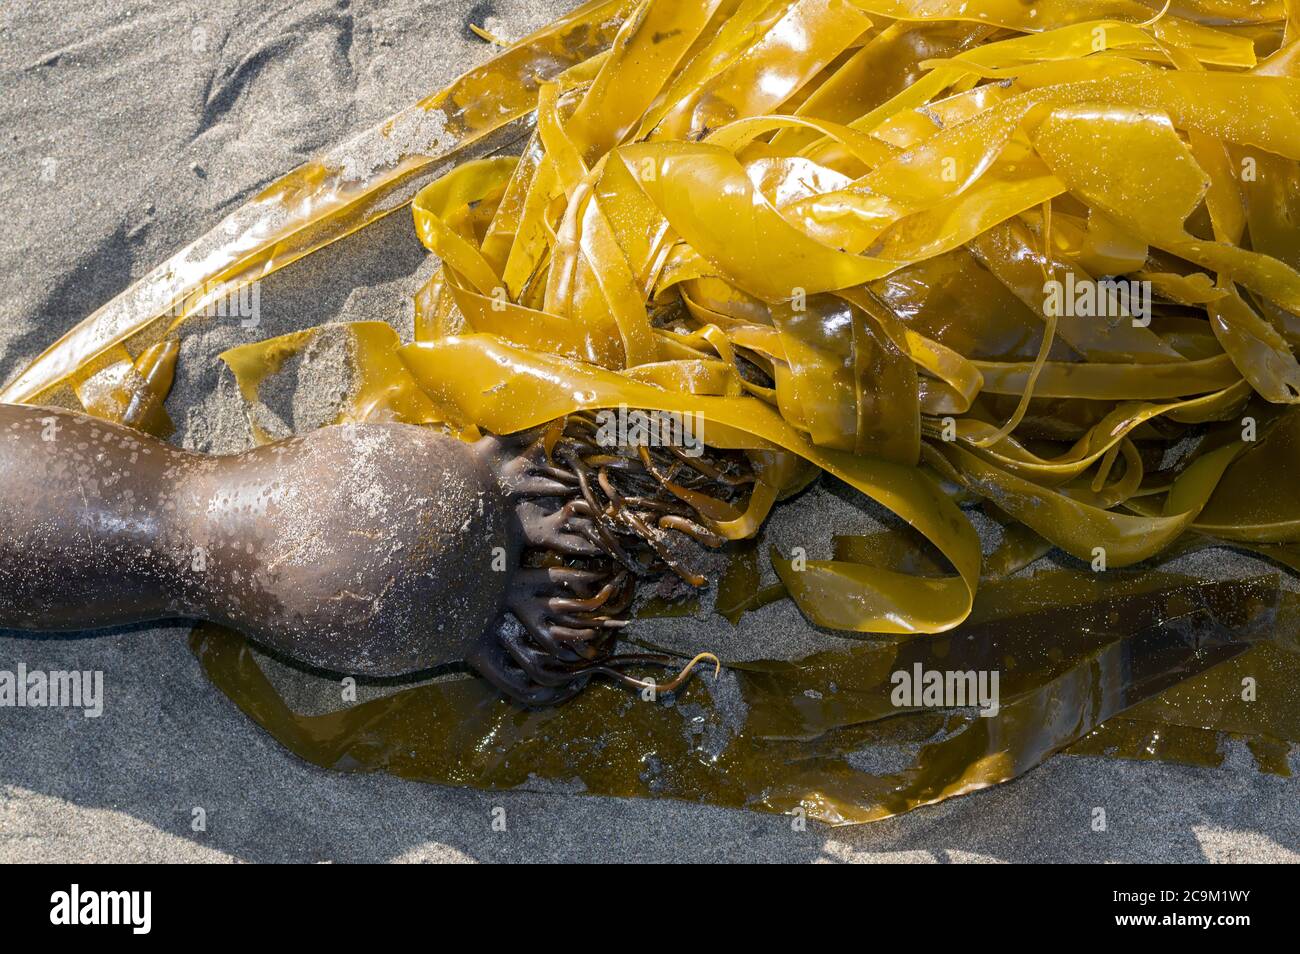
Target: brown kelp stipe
{"points": [[365, 549]]}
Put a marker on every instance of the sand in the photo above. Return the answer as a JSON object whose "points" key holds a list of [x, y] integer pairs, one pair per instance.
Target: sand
{"points": [[130, 128]]}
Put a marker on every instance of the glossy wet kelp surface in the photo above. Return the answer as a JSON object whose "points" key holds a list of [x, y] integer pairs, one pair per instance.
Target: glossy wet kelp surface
{"points": [[842, 233], [1151, 665]]}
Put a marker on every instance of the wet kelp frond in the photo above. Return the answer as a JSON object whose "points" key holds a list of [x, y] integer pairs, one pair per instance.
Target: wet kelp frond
{"points": [[822, 737], [1041, 257], [1012, 249]]}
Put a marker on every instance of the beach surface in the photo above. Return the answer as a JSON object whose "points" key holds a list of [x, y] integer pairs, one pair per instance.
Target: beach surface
{"points": [[129, 129]]}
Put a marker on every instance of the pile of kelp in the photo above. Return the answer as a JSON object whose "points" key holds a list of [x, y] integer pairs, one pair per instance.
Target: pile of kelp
{"points": [[1037, 258]]}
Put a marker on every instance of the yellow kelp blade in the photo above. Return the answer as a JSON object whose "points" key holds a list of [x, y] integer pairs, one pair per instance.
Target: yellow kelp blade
{"points": [[330, 197], [780, 736], [504, 389], [384, 389], [132, 392]]}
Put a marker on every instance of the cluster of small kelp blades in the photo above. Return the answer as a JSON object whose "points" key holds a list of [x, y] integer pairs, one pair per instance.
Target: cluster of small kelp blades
{"points": [[829, 227]]}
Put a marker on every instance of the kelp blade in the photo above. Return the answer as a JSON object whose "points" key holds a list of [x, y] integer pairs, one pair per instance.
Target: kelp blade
{"points": [[774, 736]]}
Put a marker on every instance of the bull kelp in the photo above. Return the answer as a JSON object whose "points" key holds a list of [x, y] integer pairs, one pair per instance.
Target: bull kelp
{"points": [[1036, 258]]}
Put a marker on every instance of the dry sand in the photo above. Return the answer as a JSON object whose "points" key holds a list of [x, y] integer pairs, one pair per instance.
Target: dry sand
{"points": [[130, 128]]}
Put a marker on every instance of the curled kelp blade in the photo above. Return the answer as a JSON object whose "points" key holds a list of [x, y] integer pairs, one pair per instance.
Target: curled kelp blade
{"points": [[131, 391], [505, 389], [710, 743], [384, 390], [708, 213]]}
